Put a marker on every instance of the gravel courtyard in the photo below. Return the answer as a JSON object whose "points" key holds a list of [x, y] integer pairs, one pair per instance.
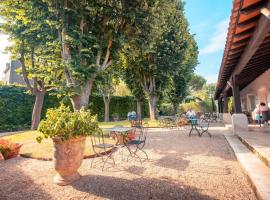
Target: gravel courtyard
{"points": [[180, 167]]}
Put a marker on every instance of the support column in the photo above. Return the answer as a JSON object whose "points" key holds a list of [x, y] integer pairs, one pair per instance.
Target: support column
{"points": [[225, 108], [236, 96], [220, 106]]}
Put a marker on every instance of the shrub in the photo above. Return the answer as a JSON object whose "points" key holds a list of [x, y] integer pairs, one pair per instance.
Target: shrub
{"points": [[9, 149], [16, 107], [64, 123]]}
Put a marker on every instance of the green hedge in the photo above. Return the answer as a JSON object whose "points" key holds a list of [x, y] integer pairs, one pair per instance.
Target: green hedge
{"points": [[16, 107]]}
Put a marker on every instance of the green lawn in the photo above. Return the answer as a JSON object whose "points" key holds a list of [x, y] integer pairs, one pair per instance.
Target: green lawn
{"points": [[32, 148], [146, 122]]}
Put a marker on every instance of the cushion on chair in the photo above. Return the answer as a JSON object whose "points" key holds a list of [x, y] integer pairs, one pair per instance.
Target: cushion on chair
{"points": [[136, 142]]}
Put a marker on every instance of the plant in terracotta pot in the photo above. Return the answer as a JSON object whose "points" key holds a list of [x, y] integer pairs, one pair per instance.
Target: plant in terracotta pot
{"points": [[68, 131], [9, 149]]}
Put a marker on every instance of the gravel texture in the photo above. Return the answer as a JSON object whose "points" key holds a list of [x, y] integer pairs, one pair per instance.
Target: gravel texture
{"points": [[180, 167]]}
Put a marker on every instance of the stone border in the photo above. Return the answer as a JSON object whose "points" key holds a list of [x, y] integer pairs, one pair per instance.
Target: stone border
{"points": [[257, 179], [254, 150]]}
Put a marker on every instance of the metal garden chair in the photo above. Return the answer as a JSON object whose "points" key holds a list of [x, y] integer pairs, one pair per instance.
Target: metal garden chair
{"points": [[138, 143], [204, 126], [102, 149]]}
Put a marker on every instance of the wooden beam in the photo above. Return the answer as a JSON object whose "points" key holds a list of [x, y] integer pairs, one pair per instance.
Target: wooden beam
{"points": [[253, 7], [248, 22], [246, 32], [261, 31], [266, 12]]}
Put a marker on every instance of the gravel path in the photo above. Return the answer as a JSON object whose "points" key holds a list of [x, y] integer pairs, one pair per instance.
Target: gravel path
{"points": [[180, 167]]}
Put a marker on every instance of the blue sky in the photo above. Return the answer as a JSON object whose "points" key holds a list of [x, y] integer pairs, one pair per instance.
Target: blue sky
{"points": [[208, 19]]}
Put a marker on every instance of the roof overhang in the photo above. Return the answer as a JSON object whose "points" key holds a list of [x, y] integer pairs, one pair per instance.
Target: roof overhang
{"points": [[247, 49]]}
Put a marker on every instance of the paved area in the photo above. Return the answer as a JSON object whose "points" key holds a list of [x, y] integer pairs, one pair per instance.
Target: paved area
{"points": [[180, 167], [258, 141], [257, 171]]}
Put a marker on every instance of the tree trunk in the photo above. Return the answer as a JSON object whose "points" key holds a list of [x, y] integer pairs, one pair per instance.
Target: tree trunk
{"points": [[139, 108], [106, 100], [37, 110], [176, 107], [82, 100], [152, 101]]}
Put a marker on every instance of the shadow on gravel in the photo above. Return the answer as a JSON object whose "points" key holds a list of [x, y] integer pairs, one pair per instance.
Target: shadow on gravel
{"points": [[140, 188], [14, 184], [173, 161]]}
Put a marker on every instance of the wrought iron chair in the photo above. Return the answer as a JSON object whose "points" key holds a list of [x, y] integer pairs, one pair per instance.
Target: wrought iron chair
{"points": [[204, 126], [102, 149], [138, 143]]}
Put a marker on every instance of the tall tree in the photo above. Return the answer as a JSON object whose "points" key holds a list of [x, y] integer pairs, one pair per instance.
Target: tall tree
{"points": [[136, 89], [197, 82], [33, 43], [178, 87], [156, 47], [105, 85]]}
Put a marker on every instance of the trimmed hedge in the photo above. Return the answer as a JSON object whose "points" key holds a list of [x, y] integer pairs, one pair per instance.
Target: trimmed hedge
{"points": [[16, 107]]}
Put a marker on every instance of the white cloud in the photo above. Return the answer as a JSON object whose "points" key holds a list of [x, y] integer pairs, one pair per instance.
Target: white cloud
{"points": [[217, 41]]}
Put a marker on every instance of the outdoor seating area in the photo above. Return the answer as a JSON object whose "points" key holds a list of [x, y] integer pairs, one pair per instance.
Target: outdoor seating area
{"points": [[134, 100], [178, 167]]}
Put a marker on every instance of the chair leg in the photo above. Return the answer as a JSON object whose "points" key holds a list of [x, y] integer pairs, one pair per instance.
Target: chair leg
{"points": [[190, 131], [108, 157]]}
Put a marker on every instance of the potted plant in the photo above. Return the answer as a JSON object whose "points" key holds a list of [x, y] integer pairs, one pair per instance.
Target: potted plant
{"points": [[9, 149], [68, 131]]}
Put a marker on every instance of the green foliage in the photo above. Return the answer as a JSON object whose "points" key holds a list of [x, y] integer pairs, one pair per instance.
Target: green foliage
{"points": [[16, 105], [196, 106], [122, 89], [203, 99], [62, 122], [196, 82], [118, 104]]}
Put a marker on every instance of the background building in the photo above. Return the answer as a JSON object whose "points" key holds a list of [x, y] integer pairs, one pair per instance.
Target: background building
{"points": [[10, 74]]}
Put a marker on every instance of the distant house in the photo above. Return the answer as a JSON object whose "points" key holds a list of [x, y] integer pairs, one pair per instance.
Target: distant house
{"points": [[10, 74]]}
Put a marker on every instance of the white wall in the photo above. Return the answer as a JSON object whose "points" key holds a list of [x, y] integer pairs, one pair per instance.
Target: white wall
{"points": [[258, 89]]}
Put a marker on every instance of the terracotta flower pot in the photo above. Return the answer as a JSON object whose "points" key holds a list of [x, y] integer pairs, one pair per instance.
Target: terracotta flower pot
{"points": [[14, 152], [67, 158]]}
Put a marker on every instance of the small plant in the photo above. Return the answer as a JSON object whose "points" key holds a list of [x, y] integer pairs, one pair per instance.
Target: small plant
{"points": [[63, 123], [9, 149]]}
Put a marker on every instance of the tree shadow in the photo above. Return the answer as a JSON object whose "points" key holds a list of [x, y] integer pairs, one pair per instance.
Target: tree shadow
{"points": [[15, 184], [173, 161], [135, 170], [140, 188]]}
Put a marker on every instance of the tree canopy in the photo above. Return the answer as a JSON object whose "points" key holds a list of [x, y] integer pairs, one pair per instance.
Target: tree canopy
{"points": [[68, 45]]}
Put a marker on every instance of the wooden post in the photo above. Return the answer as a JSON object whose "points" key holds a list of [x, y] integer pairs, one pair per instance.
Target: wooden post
{"points": [[225, 107], [236, 96], [220, 106]]}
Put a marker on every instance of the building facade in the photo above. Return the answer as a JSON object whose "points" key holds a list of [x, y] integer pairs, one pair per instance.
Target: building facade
{"points": [[10, 74]]}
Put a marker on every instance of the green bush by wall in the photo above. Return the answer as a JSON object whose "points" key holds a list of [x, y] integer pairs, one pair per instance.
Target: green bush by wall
{"points": [[16, 107]]}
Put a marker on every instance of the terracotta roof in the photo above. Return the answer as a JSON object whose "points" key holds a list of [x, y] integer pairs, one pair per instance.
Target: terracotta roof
{"points": [[244, 20]]}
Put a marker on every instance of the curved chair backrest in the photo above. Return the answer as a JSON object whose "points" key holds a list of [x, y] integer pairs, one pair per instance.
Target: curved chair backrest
{"points": [[97, 138]]}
